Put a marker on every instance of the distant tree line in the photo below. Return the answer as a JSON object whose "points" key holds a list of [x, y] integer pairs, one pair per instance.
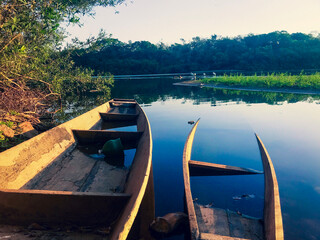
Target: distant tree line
{"points": [[264, 52]]}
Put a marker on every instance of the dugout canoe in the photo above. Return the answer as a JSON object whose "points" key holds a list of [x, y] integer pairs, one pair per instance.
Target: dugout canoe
{"points": [[52, 180], [214, 223]]}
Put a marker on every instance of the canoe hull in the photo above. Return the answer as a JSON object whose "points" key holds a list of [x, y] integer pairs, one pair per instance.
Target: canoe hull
{"points": [[23, 164], [272, 228]]}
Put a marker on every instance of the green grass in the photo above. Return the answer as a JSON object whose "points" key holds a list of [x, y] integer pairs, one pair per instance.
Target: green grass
{"points": [[7, 123], [14, 113], [282, 80]]}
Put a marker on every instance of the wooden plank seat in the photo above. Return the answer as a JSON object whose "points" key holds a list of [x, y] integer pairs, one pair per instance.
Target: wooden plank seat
{"points": [[122, 110], [123, 104], [129, 139], [116, 116], [197, 168], [117, 124], [56, 207], [123, 100]]}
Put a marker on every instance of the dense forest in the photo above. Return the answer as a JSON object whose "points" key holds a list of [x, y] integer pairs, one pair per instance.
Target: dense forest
{"points": [[265, 52]]}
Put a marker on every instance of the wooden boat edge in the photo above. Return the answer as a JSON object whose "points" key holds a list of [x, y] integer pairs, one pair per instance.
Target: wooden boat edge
{"points": [[194, 229], [124, 224], [273, 224]]}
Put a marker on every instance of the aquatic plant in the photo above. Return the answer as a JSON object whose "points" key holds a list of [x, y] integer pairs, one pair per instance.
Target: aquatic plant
{"points": [[271, 80]]}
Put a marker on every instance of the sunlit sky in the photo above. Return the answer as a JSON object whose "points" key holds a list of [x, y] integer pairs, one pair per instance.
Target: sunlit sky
{"points": [[170, 20]]}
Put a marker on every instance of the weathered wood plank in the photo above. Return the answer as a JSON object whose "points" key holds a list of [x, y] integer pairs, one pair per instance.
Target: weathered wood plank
{"points": [[242, 226], [146, 214], [236, 228], [122, 110], [66, 174], [194, 229], [220, 223], [253, 228], [124, 100], [119, 114], [117, 117], [212, 220], [60, 207], [225, 224], [126, 104], [212, 169], [117, 124], [129, 140], [138, 179], [81, 173], [66, 232], [211, 236], [105, 178], [272, 208]]}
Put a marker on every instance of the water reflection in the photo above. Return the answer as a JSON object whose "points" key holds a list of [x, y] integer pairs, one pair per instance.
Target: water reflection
{"points": [[148, 91], [288, 124]]}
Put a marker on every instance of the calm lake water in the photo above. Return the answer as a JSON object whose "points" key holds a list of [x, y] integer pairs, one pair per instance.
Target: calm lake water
{"points": [[288, 124]]}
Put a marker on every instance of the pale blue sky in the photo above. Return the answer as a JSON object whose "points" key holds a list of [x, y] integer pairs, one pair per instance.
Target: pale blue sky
{"points": [[170, 20]]}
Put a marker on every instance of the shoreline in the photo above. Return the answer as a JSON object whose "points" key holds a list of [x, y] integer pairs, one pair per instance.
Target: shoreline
{"points": [[195, 83]]}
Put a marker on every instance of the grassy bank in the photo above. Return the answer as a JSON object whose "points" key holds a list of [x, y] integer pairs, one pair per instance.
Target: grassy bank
{"points": [[282, 80]]}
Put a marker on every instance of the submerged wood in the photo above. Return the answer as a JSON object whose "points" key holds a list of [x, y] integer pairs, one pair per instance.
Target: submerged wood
{"points": [[206, 222], [217, 222], [50, 180], [168, 223], [212, 169]]}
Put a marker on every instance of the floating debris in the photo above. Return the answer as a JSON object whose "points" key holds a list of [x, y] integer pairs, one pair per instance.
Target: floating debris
{"points": [[244, 196], [195, 199], [248, 196], [208, 205], [239, 213]]}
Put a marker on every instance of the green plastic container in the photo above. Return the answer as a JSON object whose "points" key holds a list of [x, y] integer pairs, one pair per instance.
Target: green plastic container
{"points": [[113, 148]]}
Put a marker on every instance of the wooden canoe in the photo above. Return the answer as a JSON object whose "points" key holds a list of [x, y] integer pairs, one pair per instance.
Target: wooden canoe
{"points": [[214, 223], [51, 180]]}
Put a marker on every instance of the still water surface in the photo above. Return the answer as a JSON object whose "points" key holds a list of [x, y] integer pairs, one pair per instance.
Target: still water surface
{"points": [[288, 124]]}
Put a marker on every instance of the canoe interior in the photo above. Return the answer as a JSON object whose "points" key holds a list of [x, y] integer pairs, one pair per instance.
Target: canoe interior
{"points": [[206, 222], [54, 178]]}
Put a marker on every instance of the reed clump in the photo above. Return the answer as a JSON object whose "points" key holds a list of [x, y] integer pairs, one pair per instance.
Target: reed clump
{"points": [[273, 80]]}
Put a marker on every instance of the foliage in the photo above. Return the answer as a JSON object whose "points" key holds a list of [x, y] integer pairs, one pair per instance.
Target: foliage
{"points": [[34, 71], [30, 39], [273, 51], [282, 80], [7, 123]]}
